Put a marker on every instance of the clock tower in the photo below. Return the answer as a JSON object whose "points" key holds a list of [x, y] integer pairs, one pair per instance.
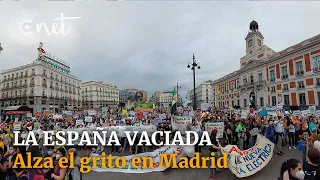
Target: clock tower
{"points": [[254, 39]]}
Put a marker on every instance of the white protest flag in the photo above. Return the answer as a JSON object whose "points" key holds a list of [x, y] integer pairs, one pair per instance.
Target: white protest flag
{"points": [[248, 162], [219, 126], [180, 123]]}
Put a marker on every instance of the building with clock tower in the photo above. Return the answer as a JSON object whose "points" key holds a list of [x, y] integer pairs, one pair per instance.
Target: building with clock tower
{"points": [[288, 78]]}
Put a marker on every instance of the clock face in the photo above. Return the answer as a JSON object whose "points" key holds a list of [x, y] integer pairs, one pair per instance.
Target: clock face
{"points": [[259, 42], [250, 43]]}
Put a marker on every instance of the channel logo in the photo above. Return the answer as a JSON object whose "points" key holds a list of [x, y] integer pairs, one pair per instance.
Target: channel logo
{"points": [[20, 27]]}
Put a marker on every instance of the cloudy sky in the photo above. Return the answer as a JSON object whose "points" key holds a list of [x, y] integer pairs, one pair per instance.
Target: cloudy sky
{"points": [[147, 45]]}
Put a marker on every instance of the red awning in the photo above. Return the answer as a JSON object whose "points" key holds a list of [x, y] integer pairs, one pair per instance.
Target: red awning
{"points": [[17, 112]]}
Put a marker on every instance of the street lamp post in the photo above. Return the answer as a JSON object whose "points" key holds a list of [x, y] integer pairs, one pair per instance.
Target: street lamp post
{"points": [[193, 66]]}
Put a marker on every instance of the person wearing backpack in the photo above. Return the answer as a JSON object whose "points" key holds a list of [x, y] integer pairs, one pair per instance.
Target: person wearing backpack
{"points": [[20, 172], [313, 169]]}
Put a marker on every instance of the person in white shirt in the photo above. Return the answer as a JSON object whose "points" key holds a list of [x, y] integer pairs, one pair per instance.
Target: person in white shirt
{"points": [[292, 130], [279, 129], [316, 144]]}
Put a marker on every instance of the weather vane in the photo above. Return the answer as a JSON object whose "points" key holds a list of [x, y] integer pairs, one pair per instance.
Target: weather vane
{"points": [[0, 48]]}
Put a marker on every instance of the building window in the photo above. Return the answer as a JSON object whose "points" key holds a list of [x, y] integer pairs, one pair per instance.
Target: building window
{"points": [[284, 71], [286, 100], [274, 100], [300, 84], [260, 77], [317, 61], [299, 67], [302, 98], [261, 102], [245, 103], [273, 89], [318, 82], [318, 93], [285, 87], [244, 81], [272, 75]]}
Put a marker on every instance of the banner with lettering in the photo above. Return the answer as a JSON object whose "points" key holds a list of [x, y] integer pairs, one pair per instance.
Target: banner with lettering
{"points": [[181, 151], [180, 122], [219, 126], [248, 162]]}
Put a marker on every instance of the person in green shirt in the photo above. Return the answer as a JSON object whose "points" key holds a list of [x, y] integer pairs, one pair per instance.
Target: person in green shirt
{"points": [[241, 133]]}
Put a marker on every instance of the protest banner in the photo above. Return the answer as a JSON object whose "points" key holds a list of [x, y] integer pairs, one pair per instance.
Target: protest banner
{"points": [[132, 113], [29, 115], [92, 112], [57, 116], [296, 113], [143, 105], [155, 121], [79, 122], [219, 126], [181, 151], [17, 128], [312, 109], [205, 106], [318, 113], [244, 114], [248, 162], [68, 113], [180, 122], [306, 113], [162, 116], [143, 110], [88, 119]]}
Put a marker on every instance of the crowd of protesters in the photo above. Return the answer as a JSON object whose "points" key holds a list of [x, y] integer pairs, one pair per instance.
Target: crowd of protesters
{"points": [[298, 132]]}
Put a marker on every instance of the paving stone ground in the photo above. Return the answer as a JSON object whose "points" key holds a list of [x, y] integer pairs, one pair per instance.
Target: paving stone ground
{"points": [[270, 172]]}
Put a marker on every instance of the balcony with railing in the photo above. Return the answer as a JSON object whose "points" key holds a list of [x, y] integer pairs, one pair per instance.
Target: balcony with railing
{"points": [[300, 86], [272, 79], [44, 84], [299, 73], [317, 83], [316, 69], [285, 89], [57, 88], [285, 76], [51, 87], [273, 90], [32, 84]]}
